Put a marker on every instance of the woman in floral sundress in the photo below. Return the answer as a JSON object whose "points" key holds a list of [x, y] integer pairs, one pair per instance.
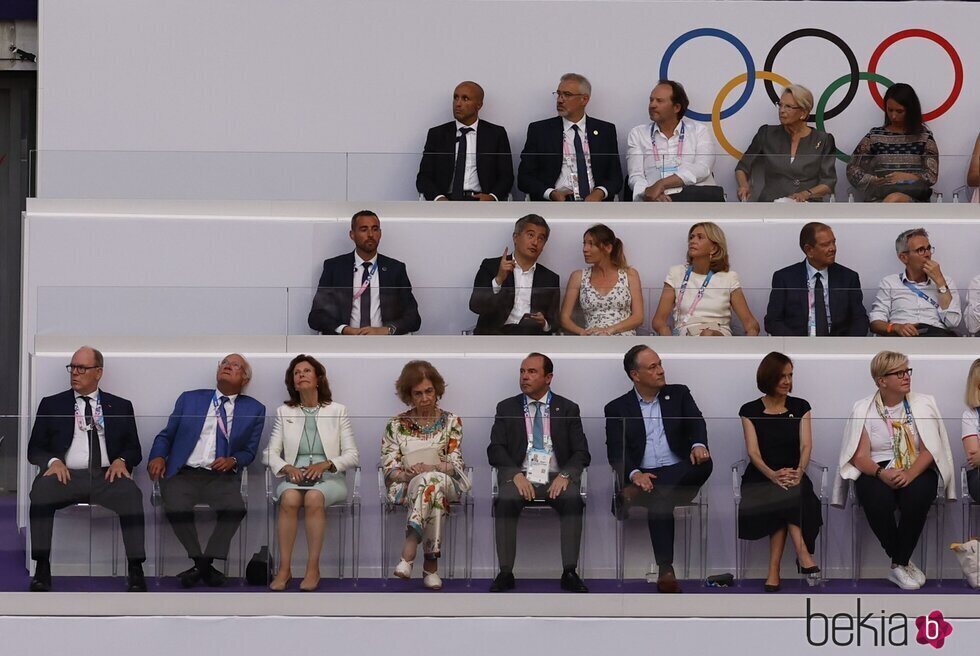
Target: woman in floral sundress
{"points": [[421, 435]]}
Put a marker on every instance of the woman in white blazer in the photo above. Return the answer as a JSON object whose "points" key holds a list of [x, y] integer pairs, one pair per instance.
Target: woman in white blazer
{"points": [[895, 451], [310, 447]]}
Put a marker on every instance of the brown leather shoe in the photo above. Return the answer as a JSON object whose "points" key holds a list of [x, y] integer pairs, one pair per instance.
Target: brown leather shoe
{"points": [[667, 582]]}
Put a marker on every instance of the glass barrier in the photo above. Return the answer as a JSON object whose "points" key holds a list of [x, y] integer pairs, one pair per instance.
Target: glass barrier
{"points": [[688, 310], [653, 497], [366, 177]]}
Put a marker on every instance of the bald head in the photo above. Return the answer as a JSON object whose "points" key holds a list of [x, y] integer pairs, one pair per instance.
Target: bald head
{"points": [[467, 102]]}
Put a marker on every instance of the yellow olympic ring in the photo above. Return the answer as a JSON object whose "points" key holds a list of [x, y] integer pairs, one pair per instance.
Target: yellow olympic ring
{"points": [[723, 94]]}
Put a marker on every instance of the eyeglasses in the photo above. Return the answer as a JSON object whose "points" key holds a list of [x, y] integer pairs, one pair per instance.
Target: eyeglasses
{"points": [[781, 106], [79, 368], [234, 365], [901, 373], [922, 250], [565, 95]]}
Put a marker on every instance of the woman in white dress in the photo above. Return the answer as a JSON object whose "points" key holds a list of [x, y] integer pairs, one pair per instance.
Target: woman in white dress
{"points": [[698, 297], [608, 291]]}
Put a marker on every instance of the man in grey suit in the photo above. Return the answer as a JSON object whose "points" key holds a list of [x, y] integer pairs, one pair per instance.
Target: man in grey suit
{"points": [[539, 448]]}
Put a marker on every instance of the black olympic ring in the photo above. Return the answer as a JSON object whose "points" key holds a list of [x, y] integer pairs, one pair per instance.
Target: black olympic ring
{"points": [[837, 41]]}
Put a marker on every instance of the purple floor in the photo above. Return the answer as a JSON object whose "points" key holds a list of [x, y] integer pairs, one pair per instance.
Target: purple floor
{"points": [[14, 578]]}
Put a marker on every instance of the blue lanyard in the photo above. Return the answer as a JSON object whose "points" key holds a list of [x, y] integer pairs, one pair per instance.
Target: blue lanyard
{"points": [[680, 297], [918, 292]]}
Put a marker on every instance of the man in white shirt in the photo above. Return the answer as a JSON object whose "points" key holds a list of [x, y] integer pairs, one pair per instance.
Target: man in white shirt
{"points": [[670, 158], [571, 156], [920, 301], [972, 314], [515, 294]]}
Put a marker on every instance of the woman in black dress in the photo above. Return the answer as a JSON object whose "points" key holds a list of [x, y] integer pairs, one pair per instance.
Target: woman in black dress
{"points": [[777, 496]]}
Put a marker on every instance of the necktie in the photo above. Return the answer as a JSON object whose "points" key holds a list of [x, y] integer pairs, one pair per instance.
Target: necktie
{"points": [[94, 448], [460, 172], [583, 169], [366, 297], [820, 306], [221, 434], [537, 426]]}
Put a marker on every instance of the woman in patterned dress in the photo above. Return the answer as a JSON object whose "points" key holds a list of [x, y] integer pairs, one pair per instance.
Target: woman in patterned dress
{"points": [[608, 291], [423, 432]]}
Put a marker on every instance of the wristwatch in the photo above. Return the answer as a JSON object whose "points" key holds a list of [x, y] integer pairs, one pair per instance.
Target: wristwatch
{"points": [[943, 289], [391, 330], [565, 475]]}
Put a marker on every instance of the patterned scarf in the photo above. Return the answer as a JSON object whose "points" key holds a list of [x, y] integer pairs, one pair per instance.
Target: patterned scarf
{"points": [[904, 450]]}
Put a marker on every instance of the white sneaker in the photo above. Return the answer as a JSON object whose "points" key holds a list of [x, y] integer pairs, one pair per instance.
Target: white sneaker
{"points": [[432, 581], [900, 577], [916, 573], [403, 569]]}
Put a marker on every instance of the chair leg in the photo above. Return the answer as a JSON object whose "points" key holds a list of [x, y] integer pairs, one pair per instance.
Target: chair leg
{"points": [[242, 547], [703, 539], [341, 541], [620, 551], [855, 548], [158, 556], [468, 519], [451, 547], [384, 545], [940, 533], [738, 552], [116, 528], [687, 542]]}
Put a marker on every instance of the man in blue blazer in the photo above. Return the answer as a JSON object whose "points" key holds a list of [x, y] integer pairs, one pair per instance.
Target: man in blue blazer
{"points": [[211, 437], [571, 156], [486, 174], [85, 443], [657, 443], [364, 292], [838, 311]]}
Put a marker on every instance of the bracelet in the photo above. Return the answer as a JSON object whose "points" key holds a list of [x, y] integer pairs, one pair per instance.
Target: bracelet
{"points": [[890, 326], [878, 471]]}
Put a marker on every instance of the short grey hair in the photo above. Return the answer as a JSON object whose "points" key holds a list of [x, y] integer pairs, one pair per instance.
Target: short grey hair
{"points": [[802, 96], [902, 243], [583, 82]]}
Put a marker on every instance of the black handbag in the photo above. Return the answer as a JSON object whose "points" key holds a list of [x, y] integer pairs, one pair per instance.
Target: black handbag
{"points": [[257, 571]]}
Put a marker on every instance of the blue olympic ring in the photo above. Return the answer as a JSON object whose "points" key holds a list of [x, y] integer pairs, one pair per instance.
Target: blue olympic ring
{"points": [[732, 39]]}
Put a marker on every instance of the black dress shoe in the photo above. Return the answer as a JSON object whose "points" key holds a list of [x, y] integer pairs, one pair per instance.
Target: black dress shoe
{"points": [[42, 577], [189, 577], [768, 587], [503, 582], [570, 582], [213, 577], [135, 581]]}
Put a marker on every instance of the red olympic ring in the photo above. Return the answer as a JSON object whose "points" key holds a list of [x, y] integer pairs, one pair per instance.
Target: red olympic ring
{"points": [[938, 40]]}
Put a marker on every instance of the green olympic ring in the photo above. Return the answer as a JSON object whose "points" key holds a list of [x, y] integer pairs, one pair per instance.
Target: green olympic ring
{"points": [[834, 86]]}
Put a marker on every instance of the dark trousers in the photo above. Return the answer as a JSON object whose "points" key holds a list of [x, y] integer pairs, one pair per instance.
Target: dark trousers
{"points": [[507, 511], [121, 496], [675, 485], [973, 484], [221, 491], [912, 503]]}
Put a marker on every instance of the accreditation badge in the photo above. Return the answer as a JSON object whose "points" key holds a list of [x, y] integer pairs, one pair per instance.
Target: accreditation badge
{"points": [[538, 466]]}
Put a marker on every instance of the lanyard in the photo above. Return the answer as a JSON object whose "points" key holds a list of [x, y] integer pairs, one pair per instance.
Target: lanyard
{"points": [[366, 283], [656, 152], [694, 305], [921, 294], [546, 421], [570, 161], [217, 415], [888, 419], [98, 420]]}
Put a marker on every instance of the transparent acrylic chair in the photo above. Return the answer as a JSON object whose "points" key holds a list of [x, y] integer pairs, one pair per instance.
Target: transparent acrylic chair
{"points": [[818, 474], [156, 500], [697, 507], [465, 504], [350, 519], [858, 521], [539, 505]]}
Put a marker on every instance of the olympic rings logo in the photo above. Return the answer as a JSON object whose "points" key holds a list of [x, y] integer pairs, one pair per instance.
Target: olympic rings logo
{"points": [[821, 114]]}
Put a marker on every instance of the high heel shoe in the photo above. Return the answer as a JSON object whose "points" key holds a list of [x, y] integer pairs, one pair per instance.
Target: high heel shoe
{"points": [[815, 569], [772, 588]]}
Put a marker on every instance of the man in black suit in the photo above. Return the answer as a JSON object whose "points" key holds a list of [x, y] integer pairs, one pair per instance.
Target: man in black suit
{"points": [[816, 297], [364, 292], [466, 159], [657, 443], [85, 443], [539, 449], [514, 294], [571, 156]]}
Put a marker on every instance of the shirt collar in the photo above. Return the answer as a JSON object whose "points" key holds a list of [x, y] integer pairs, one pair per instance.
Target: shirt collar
{"points": [[460, 126], [568, 124], [231, 397], [543, 399], [94, 395], [530, 269], [358, 262], [903, 278], [810, 270], [677, 130], [639, 397]]}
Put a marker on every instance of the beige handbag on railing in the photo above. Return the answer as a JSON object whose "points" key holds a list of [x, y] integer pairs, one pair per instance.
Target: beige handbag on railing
{"points": [[968, 553]]}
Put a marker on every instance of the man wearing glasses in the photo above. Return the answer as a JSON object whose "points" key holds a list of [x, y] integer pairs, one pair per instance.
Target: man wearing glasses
{"points": [[571, 156], [211, 436], [85, 443], [919, 301]]}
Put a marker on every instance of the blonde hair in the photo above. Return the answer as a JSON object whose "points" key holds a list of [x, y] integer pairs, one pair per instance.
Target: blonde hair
{"points": [[719, 259], [801, 95], [886, 362], [973, 385]]}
